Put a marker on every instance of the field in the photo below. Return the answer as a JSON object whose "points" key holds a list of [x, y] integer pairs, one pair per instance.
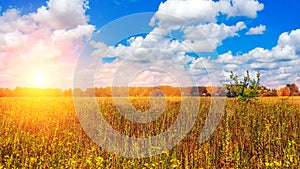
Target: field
{"points": [[46, 133]]}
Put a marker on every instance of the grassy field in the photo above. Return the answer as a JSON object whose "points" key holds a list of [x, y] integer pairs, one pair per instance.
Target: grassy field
{"points": [[45, 133]]}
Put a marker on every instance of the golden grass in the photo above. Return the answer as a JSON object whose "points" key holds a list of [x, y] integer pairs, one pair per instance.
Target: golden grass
{"points": [[45, 133]]}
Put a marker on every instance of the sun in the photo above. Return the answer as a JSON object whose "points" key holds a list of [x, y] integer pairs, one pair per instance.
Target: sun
{"points": [[39, 80]]}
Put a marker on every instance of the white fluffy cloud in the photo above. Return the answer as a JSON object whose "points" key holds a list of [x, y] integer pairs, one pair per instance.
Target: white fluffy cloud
{"points": [[174, 13], [290, 39], [62, 14], [206, 37], [278, 65], [177, 12], [11, 21], [247, 8], [256, 30], [196, 20], [45, 42]]}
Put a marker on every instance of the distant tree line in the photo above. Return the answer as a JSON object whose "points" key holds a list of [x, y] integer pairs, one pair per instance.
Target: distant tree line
{"points": [[30, 92], [289, 90], [169, 91]]}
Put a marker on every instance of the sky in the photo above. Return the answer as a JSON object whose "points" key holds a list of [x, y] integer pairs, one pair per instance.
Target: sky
{"points": [[84, 43]]}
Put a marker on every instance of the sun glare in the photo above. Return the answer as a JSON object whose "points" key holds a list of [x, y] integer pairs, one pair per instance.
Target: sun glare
{"points": [[39, 80]]}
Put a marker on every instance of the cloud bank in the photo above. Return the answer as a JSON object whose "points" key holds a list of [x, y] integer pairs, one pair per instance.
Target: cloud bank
{"points": [[201, 32], [184, 38]]}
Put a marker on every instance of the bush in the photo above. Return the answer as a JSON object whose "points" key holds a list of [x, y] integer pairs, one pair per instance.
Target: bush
{"points": [[244, 89]]}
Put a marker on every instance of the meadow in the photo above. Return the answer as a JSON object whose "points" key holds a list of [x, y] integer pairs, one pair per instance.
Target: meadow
{"points": [[44, 132]]}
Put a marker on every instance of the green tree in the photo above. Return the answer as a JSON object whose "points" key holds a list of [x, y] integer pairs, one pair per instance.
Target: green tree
{"points": [[243, 89]]}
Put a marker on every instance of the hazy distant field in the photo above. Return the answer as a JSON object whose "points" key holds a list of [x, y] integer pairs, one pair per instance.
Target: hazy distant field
{"points": [[45, 133]]}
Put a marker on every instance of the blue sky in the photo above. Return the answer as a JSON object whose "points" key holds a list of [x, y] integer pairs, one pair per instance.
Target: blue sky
{"points": [[243, 34], [278, 15]]}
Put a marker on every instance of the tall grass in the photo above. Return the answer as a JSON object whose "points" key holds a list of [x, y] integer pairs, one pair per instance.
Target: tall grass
{"points": [[45, 133]]}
